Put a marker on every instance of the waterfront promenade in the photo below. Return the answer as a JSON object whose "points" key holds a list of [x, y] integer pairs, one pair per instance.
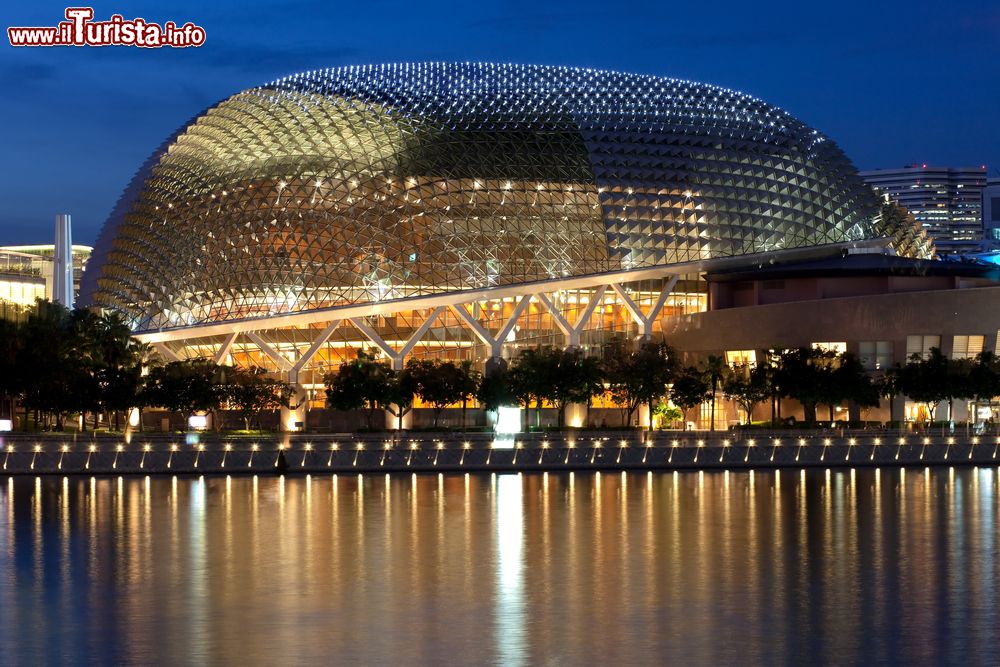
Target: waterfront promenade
{"points": [[440, 452]]}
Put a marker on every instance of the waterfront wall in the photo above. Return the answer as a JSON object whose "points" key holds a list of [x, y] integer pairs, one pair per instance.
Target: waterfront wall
{"points": [[454, 454]]}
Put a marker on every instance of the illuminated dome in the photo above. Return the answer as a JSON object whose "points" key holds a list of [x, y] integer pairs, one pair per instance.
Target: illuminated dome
{"points": [[359, 185]]}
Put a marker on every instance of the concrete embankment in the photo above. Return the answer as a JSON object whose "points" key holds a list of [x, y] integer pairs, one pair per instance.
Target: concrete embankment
{"points": [[449, 454]]}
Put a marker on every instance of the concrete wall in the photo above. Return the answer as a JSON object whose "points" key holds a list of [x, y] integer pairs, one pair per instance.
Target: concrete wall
{"points": [[851, 319]]}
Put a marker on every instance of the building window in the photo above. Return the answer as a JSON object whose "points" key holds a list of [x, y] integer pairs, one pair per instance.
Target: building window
{"points": [[838, 348], [741, 357], [875, 354], [966, 347], [921, 345]]}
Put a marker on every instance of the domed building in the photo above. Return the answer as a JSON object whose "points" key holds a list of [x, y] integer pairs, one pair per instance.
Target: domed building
{"points": [[464, 210]]}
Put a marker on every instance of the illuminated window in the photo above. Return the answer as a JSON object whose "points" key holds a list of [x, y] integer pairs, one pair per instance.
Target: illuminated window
{"points": [[741, 357], [839, 348], [921, 345], [966, 347]]}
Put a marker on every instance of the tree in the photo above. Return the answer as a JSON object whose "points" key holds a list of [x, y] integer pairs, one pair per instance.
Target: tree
{"points": [[193, 385], [44, 359], [363, 383], [467, 385], [690, 389], [667, 413], [984, 379], [251, 391], [558, 376], [806, 374], [495, 390], [443, 383], [925, 380], [577, 378], [850, 382], [528, 378], [715, 371], [747, 385], [639, 376], [399, 395], [117, 360]]}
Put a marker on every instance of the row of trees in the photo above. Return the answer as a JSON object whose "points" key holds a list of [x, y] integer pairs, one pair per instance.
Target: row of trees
{"points": [[55, 362], [651, 374]]}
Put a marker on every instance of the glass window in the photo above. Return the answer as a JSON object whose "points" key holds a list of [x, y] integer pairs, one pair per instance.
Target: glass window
{"points": [[966, 347], [921, 345], [875, 354], [741, 357], [839, 347]]}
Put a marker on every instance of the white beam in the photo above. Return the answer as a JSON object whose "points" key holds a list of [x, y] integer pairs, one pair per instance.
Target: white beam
{"points": [[588, 312], [419, 333], [561, 321], [373, 336], [509, 325], [316, 345], [473, 323], [654, 312], [283, 363], [166, 352], [631, 306], [227, 344]]}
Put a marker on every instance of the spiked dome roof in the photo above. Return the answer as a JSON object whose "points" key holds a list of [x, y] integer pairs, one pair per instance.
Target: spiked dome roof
{"points": [[366, 184]]}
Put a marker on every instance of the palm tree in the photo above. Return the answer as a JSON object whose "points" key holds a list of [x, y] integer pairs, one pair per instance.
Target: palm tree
{"points": [[715, 369]]}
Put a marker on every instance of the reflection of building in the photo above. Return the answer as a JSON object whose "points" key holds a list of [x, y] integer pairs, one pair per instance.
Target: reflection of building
{"points": [[27, 271], [463, 211], [945, 200]]}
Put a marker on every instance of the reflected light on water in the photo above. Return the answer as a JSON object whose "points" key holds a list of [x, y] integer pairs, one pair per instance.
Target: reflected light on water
{"points": [[868, 565]]}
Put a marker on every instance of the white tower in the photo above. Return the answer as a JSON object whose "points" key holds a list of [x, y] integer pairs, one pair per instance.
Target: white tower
{"points": [[62, 271]]}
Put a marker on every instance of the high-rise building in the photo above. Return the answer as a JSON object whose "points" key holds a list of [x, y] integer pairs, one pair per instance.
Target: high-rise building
{"points": [[991, 213], [946, 201]]}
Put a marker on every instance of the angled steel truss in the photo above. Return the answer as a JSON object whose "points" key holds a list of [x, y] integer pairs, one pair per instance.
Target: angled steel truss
{"points": [[581, 312]]}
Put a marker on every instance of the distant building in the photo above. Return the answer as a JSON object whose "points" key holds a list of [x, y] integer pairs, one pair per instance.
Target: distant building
{"points": [[946, 201], [991, 213], [27, 273]]}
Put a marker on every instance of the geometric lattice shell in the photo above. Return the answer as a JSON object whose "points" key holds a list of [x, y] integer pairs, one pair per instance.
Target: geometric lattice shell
{"points": [[360, 184]]}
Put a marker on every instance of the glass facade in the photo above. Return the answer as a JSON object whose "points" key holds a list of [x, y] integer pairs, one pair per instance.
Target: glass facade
{"points": [[381, 184]]}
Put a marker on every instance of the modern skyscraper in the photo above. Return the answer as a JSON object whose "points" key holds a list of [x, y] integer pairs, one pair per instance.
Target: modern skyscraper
{"points": [[991, 213], [946, 201]]}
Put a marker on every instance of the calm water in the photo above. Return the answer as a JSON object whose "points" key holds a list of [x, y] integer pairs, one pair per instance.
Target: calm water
{"points": [[693, 568]]}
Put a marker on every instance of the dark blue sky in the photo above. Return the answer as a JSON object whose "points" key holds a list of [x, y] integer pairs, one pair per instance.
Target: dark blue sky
{"points": [[892, 82]]}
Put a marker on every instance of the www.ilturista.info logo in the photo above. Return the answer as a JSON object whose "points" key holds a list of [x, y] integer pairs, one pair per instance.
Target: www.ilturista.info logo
{"points": [[79, 29]]}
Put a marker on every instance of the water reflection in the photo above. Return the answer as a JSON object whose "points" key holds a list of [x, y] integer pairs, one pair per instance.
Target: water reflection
{"points": [[728, 567]]}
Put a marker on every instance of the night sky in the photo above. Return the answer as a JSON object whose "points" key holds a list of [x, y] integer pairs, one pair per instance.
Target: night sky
{"points": [[893, 83]]}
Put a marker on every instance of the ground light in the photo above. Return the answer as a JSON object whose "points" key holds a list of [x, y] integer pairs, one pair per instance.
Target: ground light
{"points": [[438, 449]]}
